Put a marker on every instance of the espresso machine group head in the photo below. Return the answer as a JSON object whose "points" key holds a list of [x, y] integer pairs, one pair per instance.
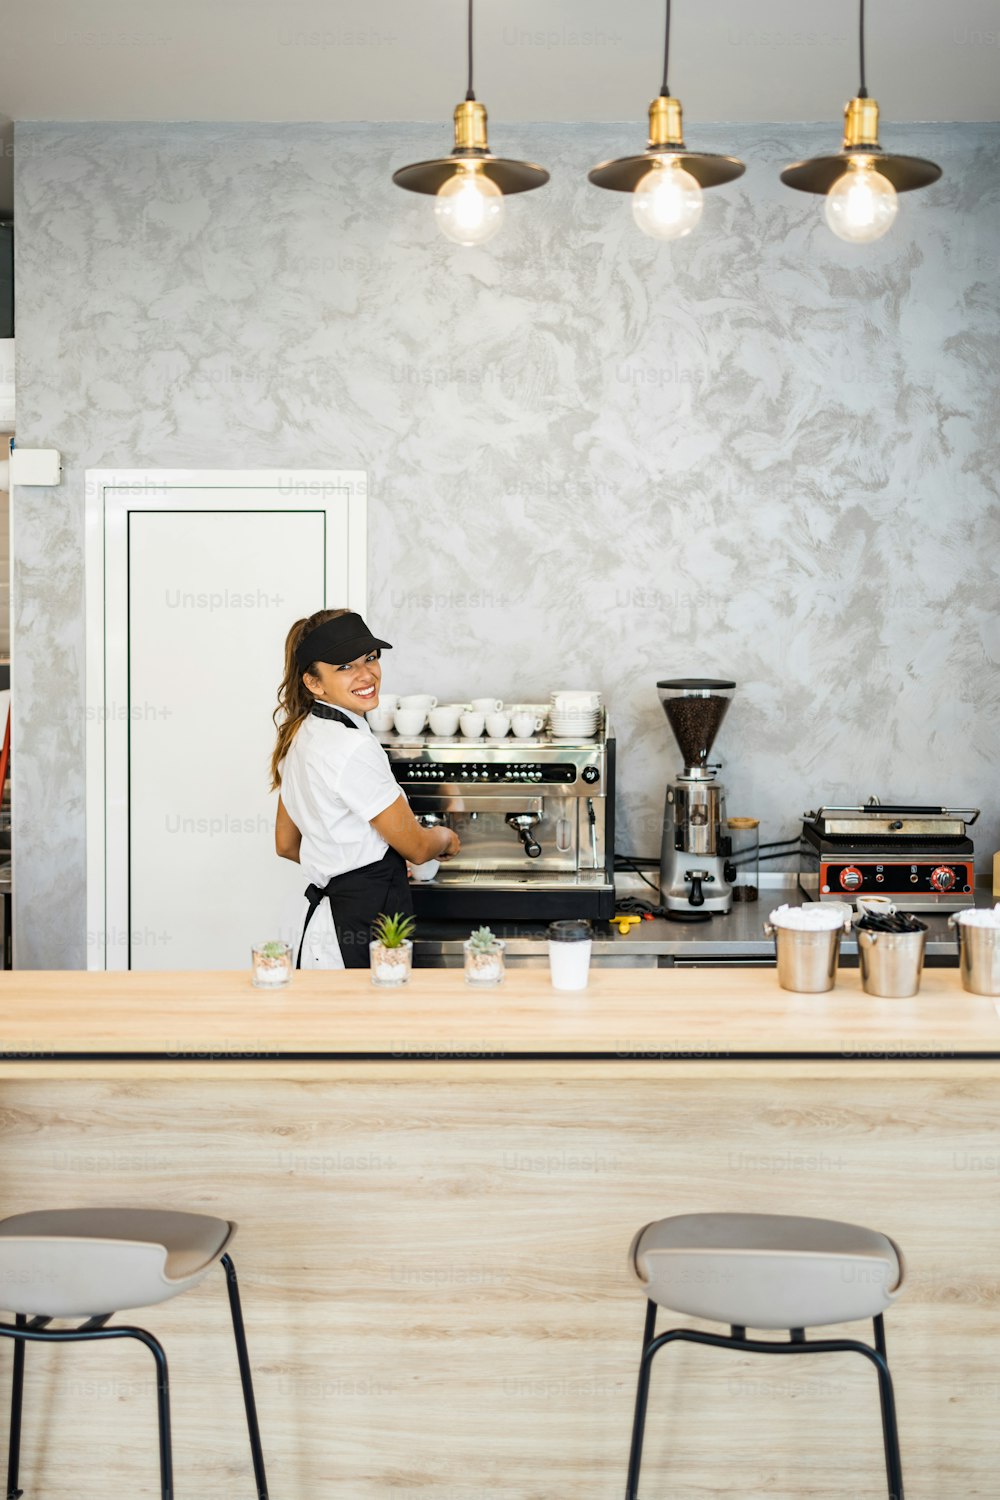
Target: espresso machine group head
{"points": [[695, 870]]}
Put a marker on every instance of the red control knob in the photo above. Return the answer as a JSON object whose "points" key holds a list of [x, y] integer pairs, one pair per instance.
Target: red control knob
{"points": [[942, 879], [850, 878]]}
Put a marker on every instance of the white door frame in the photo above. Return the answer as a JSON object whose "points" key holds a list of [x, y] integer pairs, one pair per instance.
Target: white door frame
{"points": [[110, 495]]}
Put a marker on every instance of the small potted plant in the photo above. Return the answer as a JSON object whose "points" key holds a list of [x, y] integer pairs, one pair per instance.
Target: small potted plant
{"points": [[484, 957], [272, 965], [391, 949]]}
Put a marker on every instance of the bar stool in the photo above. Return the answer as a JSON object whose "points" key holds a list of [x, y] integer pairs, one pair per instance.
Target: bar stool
{"points": [[93, 1262], [767, 1271]]}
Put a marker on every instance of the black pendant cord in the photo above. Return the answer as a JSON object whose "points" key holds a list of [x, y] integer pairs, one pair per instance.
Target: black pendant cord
{"points": [[863, 90], [469, 93], [665, 88]]}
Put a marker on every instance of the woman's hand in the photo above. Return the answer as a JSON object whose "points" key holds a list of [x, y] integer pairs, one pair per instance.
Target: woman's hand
{"points": [[450, 842], [411, 839]]}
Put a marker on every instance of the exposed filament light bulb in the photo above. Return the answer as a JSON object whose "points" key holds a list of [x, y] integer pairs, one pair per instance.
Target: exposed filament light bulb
{"points": [[469, 207], [862, 204], [667, 202]]}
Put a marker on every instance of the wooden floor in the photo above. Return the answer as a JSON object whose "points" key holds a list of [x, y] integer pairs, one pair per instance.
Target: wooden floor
{"points": [[438, 1305]]}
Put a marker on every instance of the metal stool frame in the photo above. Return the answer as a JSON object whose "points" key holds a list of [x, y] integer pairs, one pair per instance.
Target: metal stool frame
{"points": [[797, 1344], [35, 1330]]}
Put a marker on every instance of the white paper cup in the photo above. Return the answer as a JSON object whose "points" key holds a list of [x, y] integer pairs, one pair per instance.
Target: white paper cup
{"points": [[497, 725], [570, 945], [419, 700], [472, 725], [409, 720], [486, 706]]}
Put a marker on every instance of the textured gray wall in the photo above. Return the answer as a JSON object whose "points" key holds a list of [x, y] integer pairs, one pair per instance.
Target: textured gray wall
{"points": [[594, 459]]}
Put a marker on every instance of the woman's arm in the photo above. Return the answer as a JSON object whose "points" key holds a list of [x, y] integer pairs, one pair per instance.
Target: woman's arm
{"points": [[411, 839], [287, 838]]}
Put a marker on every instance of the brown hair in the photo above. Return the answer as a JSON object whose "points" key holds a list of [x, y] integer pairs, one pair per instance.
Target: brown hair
{"points": [[294, 699]]}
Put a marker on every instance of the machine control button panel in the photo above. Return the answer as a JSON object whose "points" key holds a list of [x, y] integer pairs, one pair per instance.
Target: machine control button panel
{"points": [[888, 877], [506, 772]]}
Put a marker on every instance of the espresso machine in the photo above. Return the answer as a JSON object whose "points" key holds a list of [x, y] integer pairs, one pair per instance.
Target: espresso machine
{"points": [[535, 817], [695, 872]]}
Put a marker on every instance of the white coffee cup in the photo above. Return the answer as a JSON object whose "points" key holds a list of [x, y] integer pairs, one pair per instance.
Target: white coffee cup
{"points": [[388, 700], [419, 700], [525, 724], [576, 699], [486, 706], [497, 725], [472, 725], [879, 906], [444, 719], [409, 720], [427, 870], [380, 719]]}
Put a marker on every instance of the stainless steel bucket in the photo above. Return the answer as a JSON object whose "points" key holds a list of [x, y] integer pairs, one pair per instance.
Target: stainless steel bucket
{"points": [[807, 960], [891, 962], [978, 956]]}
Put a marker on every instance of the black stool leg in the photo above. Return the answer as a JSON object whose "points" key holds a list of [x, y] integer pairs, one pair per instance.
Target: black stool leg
{"points": [[641, 1400], [890, 1431], [16, 1396], [239, 1333], [162, 1401]]}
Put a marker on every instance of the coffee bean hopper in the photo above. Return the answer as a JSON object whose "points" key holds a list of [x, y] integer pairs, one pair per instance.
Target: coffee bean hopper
{"points": [[695, 868]]}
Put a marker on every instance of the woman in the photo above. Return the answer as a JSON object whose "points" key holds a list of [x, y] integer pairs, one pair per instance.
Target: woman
{"points": [[341, 813]]}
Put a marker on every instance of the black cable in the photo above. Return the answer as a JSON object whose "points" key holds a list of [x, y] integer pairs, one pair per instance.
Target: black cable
{"points": [[665, 90], [469, 94], [631, 865], [863, 90]]}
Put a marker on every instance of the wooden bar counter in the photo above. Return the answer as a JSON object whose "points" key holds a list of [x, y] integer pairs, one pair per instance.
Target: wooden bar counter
{"points": [[436, 1189]]}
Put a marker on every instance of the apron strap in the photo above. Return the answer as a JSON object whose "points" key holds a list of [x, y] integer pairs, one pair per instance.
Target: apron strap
{"points": [[327, 711], [314, 895]]}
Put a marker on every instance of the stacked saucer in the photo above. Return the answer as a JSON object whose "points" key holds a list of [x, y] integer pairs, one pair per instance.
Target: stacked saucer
{"points": [[575, 713]]}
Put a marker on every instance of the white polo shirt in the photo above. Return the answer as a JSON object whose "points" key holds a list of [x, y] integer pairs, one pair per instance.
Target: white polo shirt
{"points": [[334, 780]]}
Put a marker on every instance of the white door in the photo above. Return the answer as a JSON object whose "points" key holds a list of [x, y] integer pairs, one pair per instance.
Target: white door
{"points": [[193, 582]]}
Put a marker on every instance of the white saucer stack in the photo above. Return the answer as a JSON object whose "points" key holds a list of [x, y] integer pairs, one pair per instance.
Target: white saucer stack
{"points": [[575, 714]]}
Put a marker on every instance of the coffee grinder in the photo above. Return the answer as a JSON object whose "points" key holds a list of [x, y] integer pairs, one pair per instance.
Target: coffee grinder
{"points": [[694, 855]]}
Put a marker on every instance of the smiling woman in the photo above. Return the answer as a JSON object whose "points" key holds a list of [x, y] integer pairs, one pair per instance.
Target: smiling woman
{"points": [[341, 813]]}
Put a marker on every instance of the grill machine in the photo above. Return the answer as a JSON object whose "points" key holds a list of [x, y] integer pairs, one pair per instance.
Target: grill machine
{"points": [[921, 857]]}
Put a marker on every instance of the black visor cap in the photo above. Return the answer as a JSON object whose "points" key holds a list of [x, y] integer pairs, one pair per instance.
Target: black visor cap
{"points": [[338, 641]]}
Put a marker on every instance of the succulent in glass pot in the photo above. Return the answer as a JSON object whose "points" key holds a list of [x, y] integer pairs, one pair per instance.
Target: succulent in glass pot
{"points": [[391, 948], [484, 957]]}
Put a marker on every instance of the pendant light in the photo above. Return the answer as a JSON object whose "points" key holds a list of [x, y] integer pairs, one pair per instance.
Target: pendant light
{"points": [[667, 179], [470, 185], [861, 181]]}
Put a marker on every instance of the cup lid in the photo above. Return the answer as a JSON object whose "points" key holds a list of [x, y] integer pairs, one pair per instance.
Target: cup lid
{"points": [[573, 930]]}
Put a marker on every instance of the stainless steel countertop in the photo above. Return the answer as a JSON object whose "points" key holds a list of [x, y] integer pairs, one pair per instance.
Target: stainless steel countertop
{"points": [[731, 938]]}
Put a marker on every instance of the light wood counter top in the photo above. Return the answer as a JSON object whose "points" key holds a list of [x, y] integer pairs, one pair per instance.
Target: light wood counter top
{"points": [[625, 1015]]}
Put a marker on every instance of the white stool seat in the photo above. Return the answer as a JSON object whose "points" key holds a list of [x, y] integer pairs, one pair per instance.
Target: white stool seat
{"points": [[767, 1270], [84, 1262]]}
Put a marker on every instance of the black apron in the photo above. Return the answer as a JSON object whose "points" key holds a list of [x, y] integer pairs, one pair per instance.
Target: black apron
{"points": [[357, 897]]}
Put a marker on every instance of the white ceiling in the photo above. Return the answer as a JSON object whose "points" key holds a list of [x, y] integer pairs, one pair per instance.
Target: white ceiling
{"points": [[535, 59]]}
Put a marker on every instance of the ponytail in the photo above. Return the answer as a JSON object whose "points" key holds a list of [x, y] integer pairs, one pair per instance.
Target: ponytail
{"points": [[294, 699]]}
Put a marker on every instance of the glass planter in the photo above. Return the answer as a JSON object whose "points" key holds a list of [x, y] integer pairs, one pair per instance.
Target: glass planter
{"points": [[484, 969], [390, 966], [272, 965]]}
